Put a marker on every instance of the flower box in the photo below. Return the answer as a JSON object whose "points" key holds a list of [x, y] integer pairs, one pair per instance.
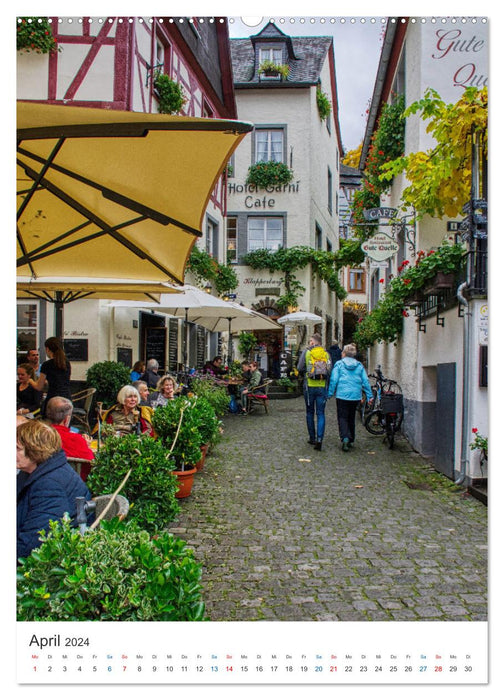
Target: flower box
{"points": [[441, 280]]}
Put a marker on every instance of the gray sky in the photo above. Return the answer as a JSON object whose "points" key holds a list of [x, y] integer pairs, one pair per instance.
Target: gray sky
{"points": [[357, 49]]}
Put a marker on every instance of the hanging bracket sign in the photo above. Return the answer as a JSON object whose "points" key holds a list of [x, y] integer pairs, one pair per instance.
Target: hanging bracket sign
{"points": [[379, 213], [380, 247]]}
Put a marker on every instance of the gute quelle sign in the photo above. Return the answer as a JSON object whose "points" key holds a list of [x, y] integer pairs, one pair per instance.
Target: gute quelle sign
{"points": [[380, 247]]}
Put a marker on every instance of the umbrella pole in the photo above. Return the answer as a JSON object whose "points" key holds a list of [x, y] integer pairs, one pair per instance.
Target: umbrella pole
{"points": [[58, 315], [185, 342]]}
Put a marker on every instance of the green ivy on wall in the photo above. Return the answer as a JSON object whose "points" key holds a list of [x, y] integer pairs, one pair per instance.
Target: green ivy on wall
{"points": [[205, 268]]}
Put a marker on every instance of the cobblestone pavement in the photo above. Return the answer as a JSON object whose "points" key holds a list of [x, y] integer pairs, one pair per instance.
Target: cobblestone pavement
{"points": [[288, 533]]}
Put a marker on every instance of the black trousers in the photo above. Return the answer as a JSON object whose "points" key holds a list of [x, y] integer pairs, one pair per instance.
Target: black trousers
{"points": [[346, 418]]}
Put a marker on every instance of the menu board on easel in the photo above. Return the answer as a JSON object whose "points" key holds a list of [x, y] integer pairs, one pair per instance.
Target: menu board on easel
{"points": [[155, 345], [173, 344]]}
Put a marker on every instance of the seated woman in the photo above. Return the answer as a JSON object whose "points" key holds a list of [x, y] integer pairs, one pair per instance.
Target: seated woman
{"points": [[47, 486], [165, 391], [254, 380], [137, 371], [127, 416], [28, 399]]}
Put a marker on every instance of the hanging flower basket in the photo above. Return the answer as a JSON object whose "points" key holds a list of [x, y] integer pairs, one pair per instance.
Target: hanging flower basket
{"points": [[440, 281], [35, 34]]}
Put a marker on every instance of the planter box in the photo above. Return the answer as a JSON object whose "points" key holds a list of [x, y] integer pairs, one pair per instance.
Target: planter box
{"points": [[441, 280]]}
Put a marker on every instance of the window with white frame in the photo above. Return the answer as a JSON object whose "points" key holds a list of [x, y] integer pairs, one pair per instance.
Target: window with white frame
{"points": [[269, 145], [265, 232], [270, 53]]}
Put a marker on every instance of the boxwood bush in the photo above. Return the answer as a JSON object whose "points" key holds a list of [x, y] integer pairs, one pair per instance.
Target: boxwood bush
{"points": [[116, 572], [107, 378], [151, 486]]}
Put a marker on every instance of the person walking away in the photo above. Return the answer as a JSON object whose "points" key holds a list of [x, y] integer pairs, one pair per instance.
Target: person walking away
{"points": [[348, 380], [318, 367], [56, 371], [335, 352]]}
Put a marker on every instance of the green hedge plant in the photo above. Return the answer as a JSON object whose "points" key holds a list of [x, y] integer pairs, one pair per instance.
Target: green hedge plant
{"points": [[177, 425], [115, 573], [151, 486], [217, 396], [107, 378]]}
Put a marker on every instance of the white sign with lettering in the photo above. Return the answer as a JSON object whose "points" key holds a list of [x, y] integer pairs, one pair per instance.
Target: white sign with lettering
{"points": [[380, 247]]}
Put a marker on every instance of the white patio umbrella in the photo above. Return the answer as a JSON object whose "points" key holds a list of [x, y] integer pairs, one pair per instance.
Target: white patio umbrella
{"points": [[299, 317], [214, 314]]}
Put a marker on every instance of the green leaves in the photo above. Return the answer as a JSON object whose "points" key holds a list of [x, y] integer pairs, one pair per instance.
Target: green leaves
{"points": [[35, 34], [116, 572], [269, 173], [169, 93], [440, 178], [205, 267], [151, 487], [107, 378]]}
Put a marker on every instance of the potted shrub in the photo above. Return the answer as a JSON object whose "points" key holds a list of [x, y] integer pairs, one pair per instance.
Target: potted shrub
{"points": [[177, 426], [151, 487], [107, 378], [115, 572], [269, 173], [209, 426], [246, 343], [169, 94], [217, 396], [286, 383]]}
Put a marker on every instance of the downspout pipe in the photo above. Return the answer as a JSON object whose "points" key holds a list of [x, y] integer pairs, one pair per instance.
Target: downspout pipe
{"points": [[465, 384]]}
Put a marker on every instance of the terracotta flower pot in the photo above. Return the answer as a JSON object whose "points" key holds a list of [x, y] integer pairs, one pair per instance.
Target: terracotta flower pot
{"points": [[201, 462], [185, 480]]}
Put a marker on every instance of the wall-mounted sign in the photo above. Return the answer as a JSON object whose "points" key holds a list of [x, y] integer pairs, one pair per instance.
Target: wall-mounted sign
{"points": [[380, 247], [379, 213]]}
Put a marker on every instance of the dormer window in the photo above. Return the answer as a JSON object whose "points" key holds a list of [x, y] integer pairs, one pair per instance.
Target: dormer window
{"points": [[275, 55]]}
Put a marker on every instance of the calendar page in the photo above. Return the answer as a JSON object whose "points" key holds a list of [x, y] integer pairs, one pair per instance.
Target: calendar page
{"points": [[284, 220]]}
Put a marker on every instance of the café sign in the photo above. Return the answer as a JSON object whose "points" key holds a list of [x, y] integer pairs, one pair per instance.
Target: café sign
{"points": [[380, 247], [379, 213]]}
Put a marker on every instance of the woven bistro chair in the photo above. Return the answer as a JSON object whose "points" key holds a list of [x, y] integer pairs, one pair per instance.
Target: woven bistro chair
{"points": [[259, 396]]}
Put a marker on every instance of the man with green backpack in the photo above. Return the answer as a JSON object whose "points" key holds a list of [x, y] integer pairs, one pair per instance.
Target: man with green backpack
{"points": [[318, 370]]}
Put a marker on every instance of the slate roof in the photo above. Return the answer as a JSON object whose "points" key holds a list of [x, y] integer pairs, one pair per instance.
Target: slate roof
{"points": [[304, 55]]}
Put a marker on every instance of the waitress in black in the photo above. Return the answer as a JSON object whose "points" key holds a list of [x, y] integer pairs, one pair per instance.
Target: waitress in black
{"points": [[55, 371]]}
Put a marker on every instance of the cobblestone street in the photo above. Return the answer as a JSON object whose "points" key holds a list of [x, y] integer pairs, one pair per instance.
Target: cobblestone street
{"points": [[288, 533]]}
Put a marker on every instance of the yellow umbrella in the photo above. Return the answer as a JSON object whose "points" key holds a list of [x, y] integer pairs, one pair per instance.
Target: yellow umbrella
{"points": [[111, 194]]}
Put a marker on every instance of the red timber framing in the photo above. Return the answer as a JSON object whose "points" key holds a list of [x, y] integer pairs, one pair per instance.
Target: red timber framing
{"points": [[136, 54]]}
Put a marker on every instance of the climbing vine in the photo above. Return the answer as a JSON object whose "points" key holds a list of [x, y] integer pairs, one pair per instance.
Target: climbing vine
{"points": [[387, 143], [440, 178], [205, 267], [325, 265]]}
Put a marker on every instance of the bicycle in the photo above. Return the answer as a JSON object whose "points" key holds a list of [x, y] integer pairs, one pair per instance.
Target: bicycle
{"points": [[387, 414]]}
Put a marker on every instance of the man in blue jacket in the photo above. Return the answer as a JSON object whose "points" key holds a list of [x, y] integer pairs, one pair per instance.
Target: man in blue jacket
{"points": [[348, 380]]}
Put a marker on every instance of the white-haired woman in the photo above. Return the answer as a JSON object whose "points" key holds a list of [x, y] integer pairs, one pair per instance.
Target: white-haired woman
{"points": [[127, 416]]}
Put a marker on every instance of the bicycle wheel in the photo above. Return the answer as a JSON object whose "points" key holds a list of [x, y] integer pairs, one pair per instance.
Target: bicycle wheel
{"points": [[374, 423]]}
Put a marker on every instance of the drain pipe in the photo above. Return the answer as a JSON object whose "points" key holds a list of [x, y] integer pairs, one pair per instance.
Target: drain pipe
{"points": [[465, 387]]}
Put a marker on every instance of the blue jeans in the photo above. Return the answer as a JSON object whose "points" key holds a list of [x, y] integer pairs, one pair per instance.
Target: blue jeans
{"points": [[315, 399]]}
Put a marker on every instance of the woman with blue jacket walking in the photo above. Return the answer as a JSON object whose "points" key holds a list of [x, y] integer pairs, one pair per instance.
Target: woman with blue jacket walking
{"points": [[348, 380]]}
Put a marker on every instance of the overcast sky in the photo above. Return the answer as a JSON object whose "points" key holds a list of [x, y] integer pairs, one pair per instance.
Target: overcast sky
{"points": [[357, 49]]}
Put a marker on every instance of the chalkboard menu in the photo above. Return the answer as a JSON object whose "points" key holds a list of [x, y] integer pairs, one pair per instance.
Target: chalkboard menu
{"points": [[76, 349], [200, 347], [155, 345], [173, 344], [125, 355]]}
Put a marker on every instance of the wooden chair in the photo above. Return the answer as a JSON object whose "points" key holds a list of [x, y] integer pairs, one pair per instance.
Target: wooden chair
{"points": [[80, 414], [259, 396], [81, 466]]}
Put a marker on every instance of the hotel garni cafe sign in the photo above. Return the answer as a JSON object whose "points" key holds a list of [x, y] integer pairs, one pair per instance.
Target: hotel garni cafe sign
{"points": [[254, 197]]}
